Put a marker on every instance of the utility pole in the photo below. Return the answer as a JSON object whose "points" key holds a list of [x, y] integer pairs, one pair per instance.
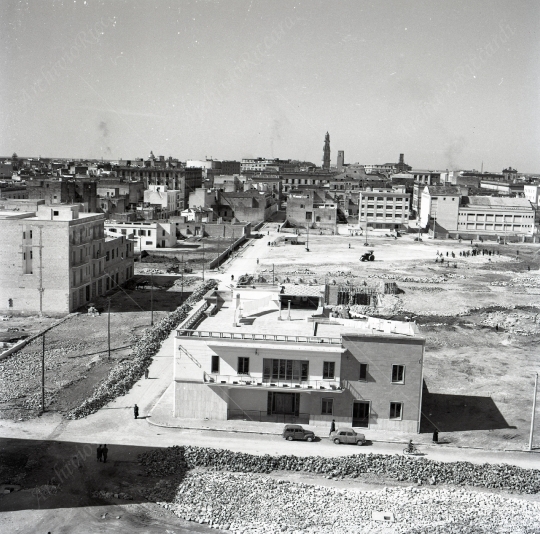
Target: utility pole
{"points": [[273, 277], [307, 239], [43, 373], [219, 237], [182, 278], [41, 288], [152, 299], [203, 261], [109, 328], [533, 411]]}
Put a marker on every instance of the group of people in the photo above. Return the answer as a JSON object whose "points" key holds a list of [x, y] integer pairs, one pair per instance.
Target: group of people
{"points": [[102, 452]]}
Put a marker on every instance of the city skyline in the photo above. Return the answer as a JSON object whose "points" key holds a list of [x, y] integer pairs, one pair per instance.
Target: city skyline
{"points": [[451, 86]]}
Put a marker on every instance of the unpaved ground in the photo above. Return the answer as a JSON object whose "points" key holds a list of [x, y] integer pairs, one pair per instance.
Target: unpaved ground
{"points": [[479, 379], [63, 488], [59, 491], [76, 352]]}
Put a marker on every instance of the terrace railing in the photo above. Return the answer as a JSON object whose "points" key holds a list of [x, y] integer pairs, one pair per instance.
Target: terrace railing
{"points": [[184, 332]]}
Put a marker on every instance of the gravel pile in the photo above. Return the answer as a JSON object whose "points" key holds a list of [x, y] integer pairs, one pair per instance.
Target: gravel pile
{"points": [[175, 460], [124, 374], [257, 504]]}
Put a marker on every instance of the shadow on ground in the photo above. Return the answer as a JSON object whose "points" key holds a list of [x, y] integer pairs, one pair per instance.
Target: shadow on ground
{"points": [[58, 474], [458, 413]]}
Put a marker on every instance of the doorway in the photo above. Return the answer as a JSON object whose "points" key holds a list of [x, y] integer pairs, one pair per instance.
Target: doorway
{"points": [[360, 416]]}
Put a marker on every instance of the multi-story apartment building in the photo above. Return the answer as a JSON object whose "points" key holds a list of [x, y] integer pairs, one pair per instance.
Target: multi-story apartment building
{"points": [[284, 365], [118, 262], [168, 201], [64, 191], [184, 179], [383, 209], [53, 260], [258, 164], [147, 235], [313, 208]]}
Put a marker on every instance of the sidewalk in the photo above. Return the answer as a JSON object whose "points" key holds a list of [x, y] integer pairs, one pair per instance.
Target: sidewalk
{"points": [[162, 416]]}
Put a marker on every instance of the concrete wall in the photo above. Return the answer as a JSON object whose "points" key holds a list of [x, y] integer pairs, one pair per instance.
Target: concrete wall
{"points": [[199, 401]]}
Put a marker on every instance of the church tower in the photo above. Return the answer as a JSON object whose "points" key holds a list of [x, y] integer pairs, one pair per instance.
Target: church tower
{"points": [[326, 152]]}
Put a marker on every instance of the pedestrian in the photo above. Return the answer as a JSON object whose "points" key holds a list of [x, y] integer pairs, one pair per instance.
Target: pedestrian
{"points": [[146, 373], [528, 267], [257, 261], [447, 253], [332, 427], [99, 453], [497, 327], [105, 452], [349, 245], [136, 411], [435, 436]]}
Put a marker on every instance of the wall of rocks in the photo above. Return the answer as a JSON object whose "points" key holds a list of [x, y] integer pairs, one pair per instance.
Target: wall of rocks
{"points": [[123, 376], [176, 460]]}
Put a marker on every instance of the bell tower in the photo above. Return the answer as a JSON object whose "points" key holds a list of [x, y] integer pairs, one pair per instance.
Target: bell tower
{"points": [[326, 152]]}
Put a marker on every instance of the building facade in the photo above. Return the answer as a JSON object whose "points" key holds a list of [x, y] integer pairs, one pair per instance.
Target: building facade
{"points": [[313, 208], [53, 260], [362, 377], [383, 209], [501, 217], [146, 235]]}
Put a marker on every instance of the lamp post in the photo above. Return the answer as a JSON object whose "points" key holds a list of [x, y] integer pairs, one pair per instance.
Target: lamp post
{"points": [[109, 328]]}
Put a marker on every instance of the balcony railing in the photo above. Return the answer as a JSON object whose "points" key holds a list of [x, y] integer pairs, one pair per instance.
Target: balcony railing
{"points": [[257, 337], [246, 380], [264, 417]]}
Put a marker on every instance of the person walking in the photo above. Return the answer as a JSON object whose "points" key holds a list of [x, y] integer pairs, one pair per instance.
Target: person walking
{"points": [[136, 411], [332, 427], [105, 452], [146, 373], [99, 453]]}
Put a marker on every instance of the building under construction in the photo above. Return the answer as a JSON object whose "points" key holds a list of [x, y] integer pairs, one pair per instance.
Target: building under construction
{"points": [[368, 293]]}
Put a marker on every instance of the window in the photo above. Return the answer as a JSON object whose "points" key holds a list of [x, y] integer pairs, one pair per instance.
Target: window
{"points": [[327, 407], [362, 377], [398, 374], [329, 370], [243, 366], [309, 215], [396, 410], [215, 365], [148, 242], [55, 213]]}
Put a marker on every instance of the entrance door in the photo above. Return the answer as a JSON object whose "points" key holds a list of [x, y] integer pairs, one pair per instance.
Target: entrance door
{"points": [[360, 416], [283, 403]]}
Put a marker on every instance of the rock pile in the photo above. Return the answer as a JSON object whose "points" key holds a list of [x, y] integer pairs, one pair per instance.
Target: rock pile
{"points": [[124, 374], [423, 280], [518, 282], [175, 460], [258, 504], [110, 495]]}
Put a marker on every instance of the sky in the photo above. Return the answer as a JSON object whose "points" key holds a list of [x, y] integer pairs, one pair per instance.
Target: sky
{"points": [[449, 84]]}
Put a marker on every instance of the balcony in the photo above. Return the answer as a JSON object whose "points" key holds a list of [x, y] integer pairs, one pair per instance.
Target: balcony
{"points": [[273, 384], [257, 337]]}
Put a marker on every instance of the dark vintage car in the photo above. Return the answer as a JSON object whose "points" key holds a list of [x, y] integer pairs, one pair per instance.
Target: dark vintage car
{"points": [[292, 432], [347, 435]]}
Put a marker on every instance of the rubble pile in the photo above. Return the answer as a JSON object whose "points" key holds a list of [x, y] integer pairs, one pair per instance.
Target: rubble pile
{"points": [[175, 460], [416, 279], [259, 504], [124, 374], [518, 282]]}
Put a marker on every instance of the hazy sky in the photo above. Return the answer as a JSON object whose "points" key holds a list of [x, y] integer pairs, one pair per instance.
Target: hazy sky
{"points": [[449, 83]]}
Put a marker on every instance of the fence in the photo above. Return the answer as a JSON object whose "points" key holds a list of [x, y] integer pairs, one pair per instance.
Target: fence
{"points": [[184, 332]]}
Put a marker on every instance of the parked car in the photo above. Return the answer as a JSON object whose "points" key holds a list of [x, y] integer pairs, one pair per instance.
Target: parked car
{"points": [[291, 432], [347, 435]]}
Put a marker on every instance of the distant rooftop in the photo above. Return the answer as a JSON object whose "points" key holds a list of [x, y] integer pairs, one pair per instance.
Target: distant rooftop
{"points": [[495, 202]]}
